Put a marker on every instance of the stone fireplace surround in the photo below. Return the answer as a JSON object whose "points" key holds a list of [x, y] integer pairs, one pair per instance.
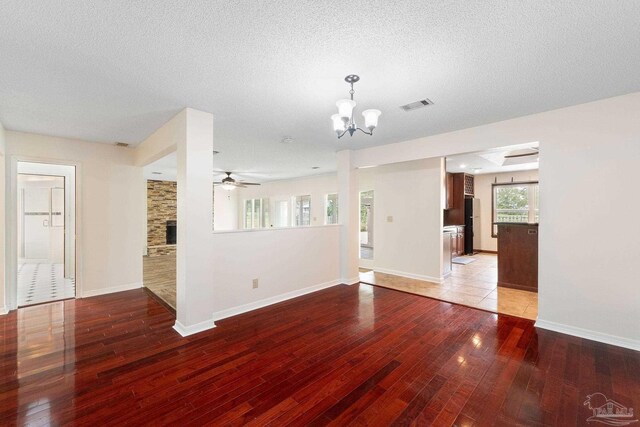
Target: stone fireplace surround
{"points": [[161, 207]]}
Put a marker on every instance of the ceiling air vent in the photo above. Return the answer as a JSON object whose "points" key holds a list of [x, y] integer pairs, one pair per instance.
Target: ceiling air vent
{"points": [[418, 104], [121, 144]]}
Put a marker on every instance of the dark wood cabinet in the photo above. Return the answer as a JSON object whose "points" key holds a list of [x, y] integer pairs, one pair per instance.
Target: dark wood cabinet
{"points": [[457, 242], [459, 186], [449, 191], [518, 256]]}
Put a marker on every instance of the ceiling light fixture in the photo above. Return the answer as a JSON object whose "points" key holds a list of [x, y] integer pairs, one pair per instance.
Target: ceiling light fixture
{"points": [[343, 121], [462, 166]]}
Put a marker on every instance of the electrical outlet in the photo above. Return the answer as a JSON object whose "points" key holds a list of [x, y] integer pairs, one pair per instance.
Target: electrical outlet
{"points": [[389, 219], [255, 283]]}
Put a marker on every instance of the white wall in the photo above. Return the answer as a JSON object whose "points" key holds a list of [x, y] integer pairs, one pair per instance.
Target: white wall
{"points": [[483, 193], [588, 191], [225, 209], [286, 262], [3, 304], [410, 193], [316, 186], [589, 152], [109, 232]]}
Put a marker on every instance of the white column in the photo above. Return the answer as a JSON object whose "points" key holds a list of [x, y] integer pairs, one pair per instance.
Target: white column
{"points": [[349, 215], [194, 274]]}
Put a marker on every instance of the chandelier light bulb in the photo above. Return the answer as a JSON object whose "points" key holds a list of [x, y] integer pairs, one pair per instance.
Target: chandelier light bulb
{"points": [[371, 118], [345, 108], [338, 123]]}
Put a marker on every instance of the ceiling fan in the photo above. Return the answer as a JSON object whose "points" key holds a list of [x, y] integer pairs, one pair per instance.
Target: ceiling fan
{"points": [[521, 154], [229, 183]]}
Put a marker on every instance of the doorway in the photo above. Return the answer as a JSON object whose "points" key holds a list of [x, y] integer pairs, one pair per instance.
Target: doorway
{"points": [[45, 216], [366, 225]]}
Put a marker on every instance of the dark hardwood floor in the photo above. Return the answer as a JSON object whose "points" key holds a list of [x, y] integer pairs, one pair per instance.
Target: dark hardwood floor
{"points": [[349, 354]]}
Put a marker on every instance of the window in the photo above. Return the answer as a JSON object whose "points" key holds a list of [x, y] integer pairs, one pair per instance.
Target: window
{"points": [[302, 215], [256, 213], [332, 209], [515, 202]]}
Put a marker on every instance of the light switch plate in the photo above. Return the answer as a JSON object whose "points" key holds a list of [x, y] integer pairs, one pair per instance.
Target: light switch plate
{"points": [[255, 283]]}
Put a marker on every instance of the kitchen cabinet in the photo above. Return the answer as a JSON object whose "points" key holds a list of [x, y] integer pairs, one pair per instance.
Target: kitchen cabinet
{"points": [[460, 244], [449, 191], [459, 186], [457, 241]]}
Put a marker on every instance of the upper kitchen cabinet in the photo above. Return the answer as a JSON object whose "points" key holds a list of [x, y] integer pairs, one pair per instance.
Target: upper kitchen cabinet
{"points": [[469, 186], [449, 191], [459, 186]]}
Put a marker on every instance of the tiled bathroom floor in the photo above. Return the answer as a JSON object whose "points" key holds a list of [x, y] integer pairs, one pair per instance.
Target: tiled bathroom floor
{"points": [[473, 285], [41, 282]]}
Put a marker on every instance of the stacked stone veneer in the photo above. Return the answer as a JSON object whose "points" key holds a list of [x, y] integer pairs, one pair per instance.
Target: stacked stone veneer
{"points": [[162, 202]]}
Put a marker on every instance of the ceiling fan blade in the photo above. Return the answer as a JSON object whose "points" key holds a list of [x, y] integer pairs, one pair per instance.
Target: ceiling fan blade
{"points": [[520, 155], [248, 183]]}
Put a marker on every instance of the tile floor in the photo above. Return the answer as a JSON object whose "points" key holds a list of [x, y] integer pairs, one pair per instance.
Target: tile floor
{"points": [[473, 285], [42, 282], [159, 276]]}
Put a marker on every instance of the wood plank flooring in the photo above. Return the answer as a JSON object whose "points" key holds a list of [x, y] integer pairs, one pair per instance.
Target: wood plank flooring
{"points": [[348, 355]]}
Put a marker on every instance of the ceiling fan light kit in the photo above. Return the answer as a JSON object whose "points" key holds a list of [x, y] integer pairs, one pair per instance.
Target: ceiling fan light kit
{"points": [[229, 183], [343, 121]]}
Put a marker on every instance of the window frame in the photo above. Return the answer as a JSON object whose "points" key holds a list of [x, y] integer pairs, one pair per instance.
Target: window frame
{"points": [[300, 210], [494, 233], [250, 211], [326, 208]]}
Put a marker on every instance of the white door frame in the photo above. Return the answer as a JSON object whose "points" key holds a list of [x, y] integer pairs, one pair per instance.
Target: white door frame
{"points": [[11, 257]]}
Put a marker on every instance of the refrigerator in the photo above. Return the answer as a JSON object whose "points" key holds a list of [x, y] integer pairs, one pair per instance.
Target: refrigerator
{"points": [[471, 225]]}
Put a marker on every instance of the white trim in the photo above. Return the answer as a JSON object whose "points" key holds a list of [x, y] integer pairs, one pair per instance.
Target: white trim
{"points": [[437, 280], [110, 290], [223, 314], [193, 329], [588, 334], [3, 311], [352, 281], [256, 230], [11, 239]]}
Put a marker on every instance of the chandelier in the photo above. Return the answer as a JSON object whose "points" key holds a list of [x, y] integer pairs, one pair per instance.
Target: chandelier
{"points": [[343, 121]]}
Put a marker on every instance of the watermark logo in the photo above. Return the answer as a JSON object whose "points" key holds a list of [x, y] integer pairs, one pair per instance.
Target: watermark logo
{"points": [[607, 411]]}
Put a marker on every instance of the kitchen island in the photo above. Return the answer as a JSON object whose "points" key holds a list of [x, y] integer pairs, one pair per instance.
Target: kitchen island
{"points": [[518, 256]]}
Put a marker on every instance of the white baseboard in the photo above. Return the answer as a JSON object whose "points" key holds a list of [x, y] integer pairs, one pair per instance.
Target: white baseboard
{"points": [[193, 329], [588, 334], [4, 310], [223, 314], [351, 281], [431, 279], [103, 291]]}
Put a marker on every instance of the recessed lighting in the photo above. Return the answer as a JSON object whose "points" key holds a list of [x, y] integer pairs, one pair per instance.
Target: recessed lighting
{"points": [[462, 166], [476, 170], [156, 173]]}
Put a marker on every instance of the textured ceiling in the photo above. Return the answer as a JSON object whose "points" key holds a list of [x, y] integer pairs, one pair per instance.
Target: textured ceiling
{"points": [[116, 70]]}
